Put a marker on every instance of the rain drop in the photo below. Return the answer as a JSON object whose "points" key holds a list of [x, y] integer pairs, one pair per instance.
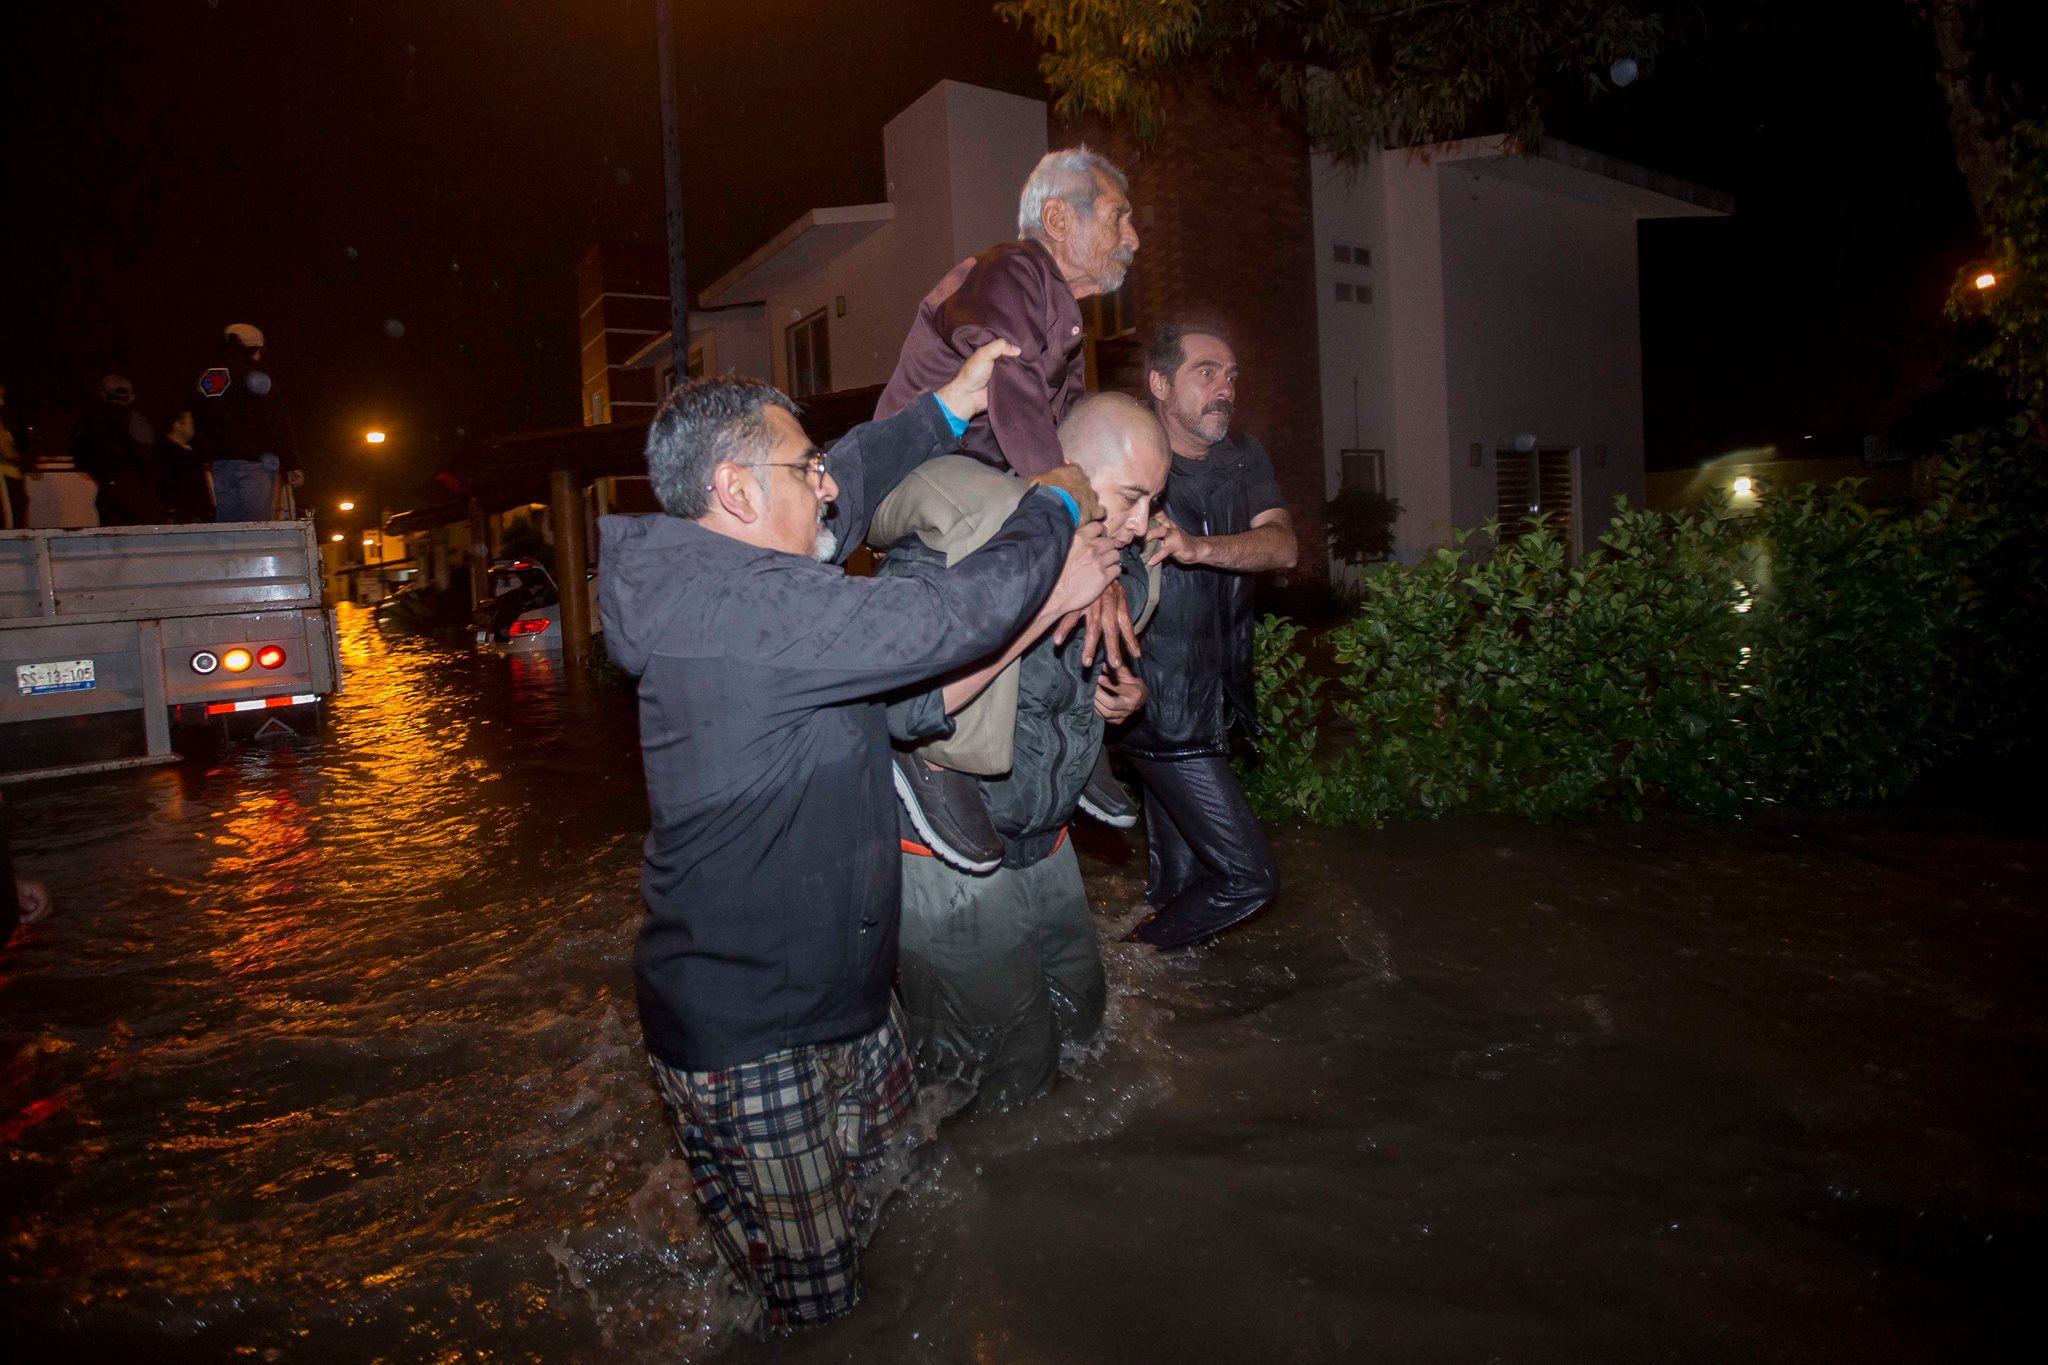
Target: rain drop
{"points": [[622, 175], [393, 328], [349, 252], [455, 265], [1624, 71]]}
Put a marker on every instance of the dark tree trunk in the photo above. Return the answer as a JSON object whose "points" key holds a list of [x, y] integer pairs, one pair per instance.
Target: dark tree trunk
{"points": [[1974, 125]]}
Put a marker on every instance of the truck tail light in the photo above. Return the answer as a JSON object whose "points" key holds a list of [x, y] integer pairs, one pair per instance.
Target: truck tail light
{"points": [[236, 660], [534, 627], [205, 661], [270, 656]]}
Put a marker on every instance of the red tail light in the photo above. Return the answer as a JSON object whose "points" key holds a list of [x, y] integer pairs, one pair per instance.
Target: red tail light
{"points": [[270, 656], [529, 627]]}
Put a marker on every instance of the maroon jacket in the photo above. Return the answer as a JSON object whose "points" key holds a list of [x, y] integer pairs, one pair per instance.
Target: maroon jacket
{"points": [[1012, 291]]}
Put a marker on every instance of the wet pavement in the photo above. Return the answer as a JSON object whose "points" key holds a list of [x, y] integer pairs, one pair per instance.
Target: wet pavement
{"points": [[330, 1056]]}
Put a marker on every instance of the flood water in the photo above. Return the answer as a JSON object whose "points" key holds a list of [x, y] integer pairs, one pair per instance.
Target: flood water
{"points": [[330, 1056]]}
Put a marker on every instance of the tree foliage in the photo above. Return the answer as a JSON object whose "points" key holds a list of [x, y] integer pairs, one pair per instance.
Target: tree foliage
{"points": [[1358, 74], [2014, 311]]}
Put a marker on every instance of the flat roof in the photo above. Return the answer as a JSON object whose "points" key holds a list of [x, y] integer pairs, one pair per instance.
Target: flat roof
{"points": [[795, 251], [1577, 173]]}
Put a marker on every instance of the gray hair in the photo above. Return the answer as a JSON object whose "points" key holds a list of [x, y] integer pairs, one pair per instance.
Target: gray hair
{"points": [[703, 424], [1067, 174]]}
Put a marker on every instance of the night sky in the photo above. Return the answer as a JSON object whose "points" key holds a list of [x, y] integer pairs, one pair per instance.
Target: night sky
{"points": [[336, 172]]}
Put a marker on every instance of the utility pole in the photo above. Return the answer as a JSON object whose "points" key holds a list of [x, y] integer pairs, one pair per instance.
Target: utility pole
{"points": [[672, 174]]}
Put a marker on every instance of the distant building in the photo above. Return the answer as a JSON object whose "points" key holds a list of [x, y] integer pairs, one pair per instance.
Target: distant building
{"points": [[1457, 329]]}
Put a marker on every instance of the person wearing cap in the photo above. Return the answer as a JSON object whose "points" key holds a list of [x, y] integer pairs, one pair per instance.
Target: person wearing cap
{"points": [[240, 429], [116, 447]]}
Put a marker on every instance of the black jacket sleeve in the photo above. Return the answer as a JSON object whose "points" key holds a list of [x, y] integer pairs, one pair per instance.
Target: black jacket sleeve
{"points": [[837, 638], [868, 462]]}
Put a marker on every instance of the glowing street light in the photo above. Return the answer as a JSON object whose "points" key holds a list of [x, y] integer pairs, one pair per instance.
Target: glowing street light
{"points": [[1744, 486], [1985, 280], [347, 506], [336, 537], [375, 438]]}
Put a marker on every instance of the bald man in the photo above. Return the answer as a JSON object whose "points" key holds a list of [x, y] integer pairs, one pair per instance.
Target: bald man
{"points": [[998, 972]]}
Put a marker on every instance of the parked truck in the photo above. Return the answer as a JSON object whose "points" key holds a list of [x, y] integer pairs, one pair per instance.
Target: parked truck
{"points": [[166, 627]]}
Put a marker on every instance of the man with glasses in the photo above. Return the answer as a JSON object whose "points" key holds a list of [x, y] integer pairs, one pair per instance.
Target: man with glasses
{"points": [[770, 876]]}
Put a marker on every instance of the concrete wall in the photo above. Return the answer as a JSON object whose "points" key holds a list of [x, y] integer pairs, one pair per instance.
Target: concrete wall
{"points": [[1419, 471], [1355, 339], [1541, 319]]}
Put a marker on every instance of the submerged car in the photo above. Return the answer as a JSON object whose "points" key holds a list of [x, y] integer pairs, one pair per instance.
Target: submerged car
{"points": [[523, 614]]}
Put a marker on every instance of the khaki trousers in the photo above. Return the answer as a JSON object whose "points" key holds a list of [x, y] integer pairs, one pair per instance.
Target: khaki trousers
{"points": [[954, 505]]}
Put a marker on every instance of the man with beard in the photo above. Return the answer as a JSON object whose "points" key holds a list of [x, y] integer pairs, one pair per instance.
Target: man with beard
{"points": [[1224, 521], [770, 875], [1075, 240]]}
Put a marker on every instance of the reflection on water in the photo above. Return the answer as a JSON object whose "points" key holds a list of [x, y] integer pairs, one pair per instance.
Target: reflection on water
{"points": [[331, 1056]]}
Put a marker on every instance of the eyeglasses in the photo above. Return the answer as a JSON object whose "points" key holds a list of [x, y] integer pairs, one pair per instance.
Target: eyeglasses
{"points": [[813, 464]]}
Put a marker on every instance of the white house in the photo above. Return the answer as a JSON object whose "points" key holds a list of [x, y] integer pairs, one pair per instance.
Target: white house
{"points": [[1479, 331], [1476, 331]]}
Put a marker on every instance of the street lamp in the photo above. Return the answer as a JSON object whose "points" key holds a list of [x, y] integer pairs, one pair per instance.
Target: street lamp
{"points": [[1985, 280], [337, 537], [375, 438], [347, 506]]}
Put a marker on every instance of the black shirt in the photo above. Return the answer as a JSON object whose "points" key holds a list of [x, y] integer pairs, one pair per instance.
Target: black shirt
{"points": [[1197, 662]]}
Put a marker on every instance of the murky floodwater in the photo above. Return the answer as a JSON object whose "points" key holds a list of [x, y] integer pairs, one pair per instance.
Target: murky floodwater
{"points": [[330, 1056]]}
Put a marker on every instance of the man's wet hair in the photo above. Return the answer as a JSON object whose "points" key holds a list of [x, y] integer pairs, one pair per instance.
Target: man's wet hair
{"points": [[1069, 175], [1168, 349], [704, 423], [1117, 416]]}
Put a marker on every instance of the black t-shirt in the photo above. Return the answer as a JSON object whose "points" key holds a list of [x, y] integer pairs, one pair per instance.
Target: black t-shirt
{"points": [[1197, 656]]}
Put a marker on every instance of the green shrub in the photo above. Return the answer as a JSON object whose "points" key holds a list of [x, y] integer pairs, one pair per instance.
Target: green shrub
{"points": [[1818, 651]]}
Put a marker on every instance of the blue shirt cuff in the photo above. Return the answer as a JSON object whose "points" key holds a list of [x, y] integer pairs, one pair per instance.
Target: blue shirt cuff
{"points": [[959, 424], [1073, 508]]}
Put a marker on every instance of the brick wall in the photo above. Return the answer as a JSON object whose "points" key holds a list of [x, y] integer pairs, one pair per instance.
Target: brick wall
{"points": [[1224, 213], [621, 302]]}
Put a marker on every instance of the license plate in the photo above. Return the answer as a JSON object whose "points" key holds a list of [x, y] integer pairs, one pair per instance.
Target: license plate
{"points": [[72, 675]]}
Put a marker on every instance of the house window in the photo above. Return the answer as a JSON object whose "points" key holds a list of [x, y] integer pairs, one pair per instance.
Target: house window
{"points": [[1536, 483], [1365, 470], [810, 357], [1343, 292]]}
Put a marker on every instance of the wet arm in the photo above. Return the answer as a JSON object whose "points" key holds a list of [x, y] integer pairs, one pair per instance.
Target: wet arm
{"points": [[868, 462], [1269, 544], [841, 639]]}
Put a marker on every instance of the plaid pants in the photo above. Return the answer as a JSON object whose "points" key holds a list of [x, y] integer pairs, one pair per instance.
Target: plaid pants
{"points": [[791, 1157]]}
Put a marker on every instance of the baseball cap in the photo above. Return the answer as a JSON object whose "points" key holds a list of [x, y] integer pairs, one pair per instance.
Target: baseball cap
{"points": [[249, 338], [117, 386]]}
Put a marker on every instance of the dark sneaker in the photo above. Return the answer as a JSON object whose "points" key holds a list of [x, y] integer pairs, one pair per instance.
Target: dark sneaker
{"points": [[1104, 797], [948, 813]]}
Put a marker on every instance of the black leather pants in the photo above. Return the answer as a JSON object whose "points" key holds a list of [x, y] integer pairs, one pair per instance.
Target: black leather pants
{"points": [[1211, 865]]}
